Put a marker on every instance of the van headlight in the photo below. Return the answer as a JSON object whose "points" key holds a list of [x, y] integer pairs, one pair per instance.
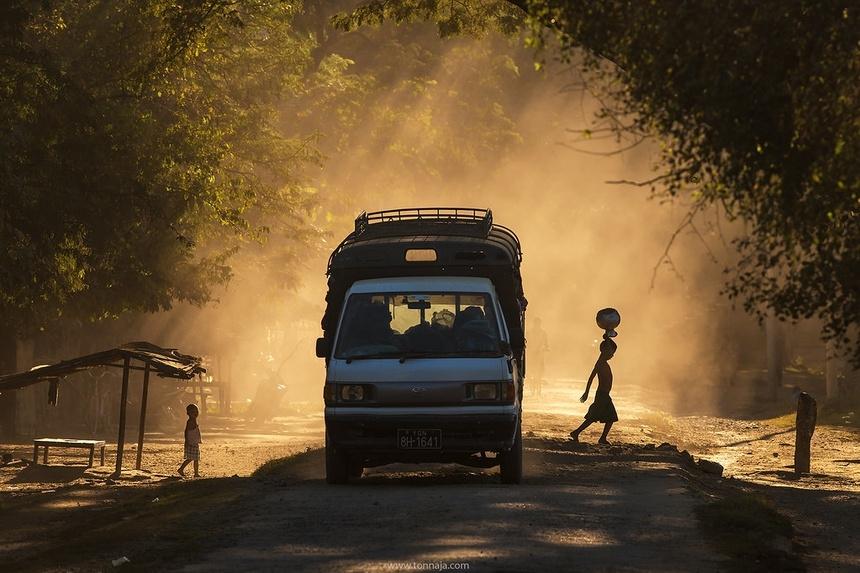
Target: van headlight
{"points": [[484, 391], [352, 392]]}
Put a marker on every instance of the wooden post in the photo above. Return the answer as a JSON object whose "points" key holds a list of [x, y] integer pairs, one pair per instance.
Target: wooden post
{"points": [[201, 401], [142, 426], [806, 415], [120, 440]]}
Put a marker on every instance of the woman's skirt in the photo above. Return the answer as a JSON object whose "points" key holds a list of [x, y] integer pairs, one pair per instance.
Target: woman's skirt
{"points": [[192, 452], [602, 410]]}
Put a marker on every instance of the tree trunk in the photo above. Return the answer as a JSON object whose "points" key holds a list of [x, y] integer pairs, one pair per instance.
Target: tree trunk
{"points": [[834, 370], [8, 365], [775, 334], [26, 398], [805, 426]]}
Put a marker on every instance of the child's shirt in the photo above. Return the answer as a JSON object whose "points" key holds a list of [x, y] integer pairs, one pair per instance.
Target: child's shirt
{"points": [[192, 435]]}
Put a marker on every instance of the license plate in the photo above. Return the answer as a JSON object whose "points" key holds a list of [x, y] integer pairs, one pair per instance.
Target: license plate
{"points": [[419, 439]]}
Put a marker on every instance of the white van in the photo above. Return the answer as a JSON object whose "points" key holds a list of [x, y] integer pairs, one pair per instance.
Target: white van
{"points": [[424, 359]]}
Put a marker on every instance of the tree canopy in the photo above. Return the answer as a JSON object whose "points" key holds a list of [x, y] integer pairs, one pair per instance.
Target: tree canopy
{"points": [[139, 150], [144, 142], [754, 106]]}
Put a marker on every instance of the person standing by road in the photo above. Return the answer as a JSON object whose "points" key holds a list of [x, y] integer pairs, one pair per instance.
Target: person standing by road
{"points": [[538, 345], [602, 410], [192, 441]]}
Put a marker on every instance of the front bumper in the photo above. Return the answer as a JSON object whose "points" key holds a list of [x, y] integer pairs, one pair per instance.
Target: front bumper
{"points": [[465, 430]]}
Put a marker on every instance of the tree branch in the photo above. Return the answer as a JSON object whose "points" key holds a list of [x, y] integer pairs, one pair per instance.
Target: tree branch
{"points": [[688, 219], [647, 183]]}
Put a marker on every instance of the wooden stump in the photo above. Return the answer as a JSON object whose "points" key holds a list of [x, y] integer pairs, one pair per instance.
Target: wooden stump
{"points": [[806, 415]]}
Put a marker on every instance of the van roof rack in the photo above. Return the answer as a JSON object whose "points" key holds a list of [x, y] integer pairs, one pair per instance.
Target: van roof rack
{"points": [[404, 224], [439, 220]]}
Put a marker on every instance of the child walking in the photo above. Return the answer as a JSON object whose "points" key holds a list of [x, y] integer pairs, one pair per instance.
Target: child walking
{"points": [[602, 410], [192, 441]]}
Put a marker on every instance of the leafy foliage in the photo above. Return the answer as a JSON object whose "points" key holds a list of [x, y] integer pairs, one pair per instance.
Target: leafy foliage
{"points": [[451, 18], [755, 107], [139, 150], [401, 112]]}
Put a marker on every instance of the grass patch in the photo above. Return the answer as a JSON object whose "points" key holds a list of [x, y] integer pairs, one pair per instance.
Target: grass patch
{"points": [[750, 532], [288, 466], [784, 421]]}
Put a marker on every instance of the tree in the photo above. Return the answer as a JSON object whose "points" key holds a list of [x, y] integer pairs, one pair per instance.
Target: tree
{"points": [[755, 109], [139, 150]]}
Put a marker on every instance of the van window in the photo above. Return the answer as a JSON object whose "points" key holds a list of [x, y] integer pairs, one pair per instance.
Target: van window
{"points": [[437, 324]]}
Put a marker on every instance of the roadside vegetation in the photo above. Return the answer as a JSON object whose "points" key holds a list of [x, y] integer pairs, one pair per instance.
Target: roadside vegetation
{"points": [[750, 532]]}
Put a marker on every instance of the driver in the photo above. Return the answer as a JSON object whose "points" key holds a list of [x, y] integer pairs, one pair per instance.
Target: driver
{"points": [[472, 331]]}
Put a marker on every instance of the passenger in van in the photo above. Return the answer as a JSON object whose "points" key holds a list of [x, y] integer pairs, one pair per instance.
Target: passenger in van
{"points": [[602, 410], [472, 331], [443, 319], [435, 336], [425, 337], [370, 326], [468, 314]]}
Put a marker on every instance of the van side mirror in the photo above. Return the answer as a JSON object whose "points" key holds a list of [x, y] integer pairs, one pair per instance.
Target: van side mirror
{"points": [[322, 347], [505, 347]]}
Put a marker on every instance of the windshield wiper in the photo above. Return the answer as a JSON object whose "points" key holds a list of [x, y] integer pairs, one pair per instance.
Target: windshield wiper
{"points": [[426, 354], [371, 356], [409, 354]]}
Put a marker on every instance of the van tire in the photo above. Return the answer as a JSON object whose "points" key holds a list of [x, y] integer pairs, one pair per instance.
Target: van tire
{"points": [[512, 460], [336, 463]]}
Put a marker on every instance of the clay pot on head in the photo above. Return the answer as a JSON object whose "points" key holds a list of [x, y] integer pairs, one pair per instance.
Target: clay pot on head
{"points": [[608, 319]]}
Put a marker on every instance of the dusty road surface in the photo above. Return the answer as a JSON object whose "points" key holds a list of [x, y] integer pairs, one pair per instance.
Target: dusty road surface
{"points": [[579, 509], [622, 508], [628, 507]]}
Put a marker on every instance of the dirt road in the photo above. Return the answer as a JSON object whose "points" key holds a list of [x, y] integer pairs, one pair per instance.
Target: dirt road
{"points": [[628, 507], [578, 510]]}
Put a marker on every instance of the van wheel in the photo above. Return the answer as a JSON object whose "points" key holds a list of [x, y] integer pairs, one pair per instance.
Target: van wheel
{"points": [[336, 463], [512, 460]]}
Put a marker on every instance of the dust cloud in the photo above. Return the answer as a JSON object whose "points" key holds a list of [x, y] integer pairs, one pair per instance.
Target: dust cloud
{"points": [[587, 243]]}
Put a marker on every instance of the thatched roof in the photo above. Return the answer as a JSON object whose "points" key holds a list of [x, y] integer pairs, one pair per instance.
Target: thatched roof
{"points": [[166, 362]]}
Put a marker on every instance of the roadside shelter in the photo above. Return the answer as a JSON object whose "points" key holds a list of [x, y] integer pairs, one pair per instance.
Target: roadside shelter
{"points": [[143, 356]]}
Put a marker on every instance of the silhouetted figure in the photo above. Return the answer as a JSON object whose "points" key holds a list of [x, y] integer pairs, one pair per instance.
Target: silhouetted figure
{"points": [[538, 345], [602, 410], [192, 441], [367, 328], [472, 331]]}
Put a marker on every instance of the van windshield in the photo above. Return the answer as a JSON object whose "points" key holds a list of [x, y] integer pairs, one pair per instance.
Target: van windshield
{"points": [[420, 324]]}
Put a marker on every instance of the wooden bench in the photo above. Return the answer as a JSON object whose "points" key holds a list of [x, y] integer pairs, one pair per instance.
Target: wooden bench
{"points": [[90, 445]]}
